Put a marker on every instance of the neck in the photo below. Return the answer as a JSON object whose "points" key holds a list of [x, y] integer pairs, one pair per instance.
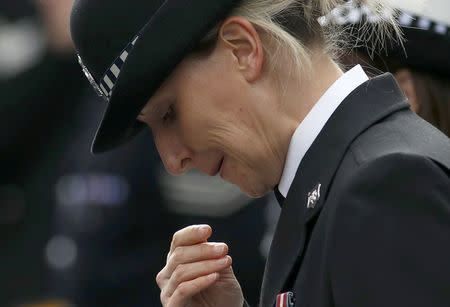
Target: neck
{"points": [[302, 93], [289, 104], [295, 100]]}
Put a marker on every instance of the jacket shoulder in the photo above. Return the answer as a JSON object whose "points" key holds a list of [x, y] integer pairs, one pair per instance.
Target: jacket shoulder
{"points": [[390, 218], [401, 133], [395, 179]]}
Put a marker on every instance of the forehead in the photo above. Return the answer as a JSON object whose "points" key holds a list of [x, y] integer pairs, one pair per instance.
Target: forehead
{"points": [[188, 71]]}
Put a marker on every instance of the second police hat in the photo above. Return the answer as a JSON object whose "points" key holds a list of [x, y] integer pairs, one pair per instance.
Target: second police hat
{"points": [[424, 23], [128, 48]]}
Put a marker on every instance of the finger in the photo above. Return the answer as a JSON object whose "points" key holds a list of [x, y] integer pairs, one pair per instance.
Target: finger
{"points": [[191, 271], [190, 254], [190, 288], [190, 235], [195, 253]]}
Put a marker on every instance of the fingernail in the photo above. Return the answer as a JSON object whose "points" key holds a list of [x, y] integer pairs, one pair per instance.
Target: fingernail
{"points": [[204, 230], [223, 260], [219, 248], [212, 276]]}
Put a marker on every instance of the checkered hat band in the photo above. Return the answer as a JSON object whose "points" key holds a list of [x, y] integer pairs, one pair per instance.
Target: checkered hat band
{"points": [[354, 13], [112, 74], [419, 22], [106, 85]]}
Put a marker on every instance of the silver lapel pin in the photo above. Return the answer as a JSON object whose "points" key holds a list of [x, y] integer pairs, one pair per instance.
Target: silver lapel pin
{"points": [[313, 197]]}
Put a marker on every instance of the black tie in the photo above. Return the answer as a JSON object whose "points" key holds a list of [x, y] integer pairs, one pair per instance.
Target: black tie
{"points": [[279, 196]]}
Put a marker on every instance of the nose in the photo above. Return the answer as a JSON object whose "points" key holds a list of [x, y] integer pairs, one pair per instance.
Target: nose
{"points": [[176, 157]]}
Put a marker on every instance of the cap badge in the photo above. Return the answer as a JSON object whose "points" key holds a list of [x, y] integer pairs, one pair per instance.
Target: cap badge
{"points": [[105, 87]]}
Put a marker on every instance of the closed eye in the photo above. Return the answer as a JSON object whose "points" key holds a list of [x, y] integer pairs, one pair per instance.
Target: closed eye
{"points": [[169, 115]]}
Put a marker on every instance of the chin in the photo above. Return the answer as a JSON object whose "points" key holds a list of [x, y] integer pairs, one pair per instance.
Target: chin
{"points": [[255, 195], [255, 192], [252, 188]]}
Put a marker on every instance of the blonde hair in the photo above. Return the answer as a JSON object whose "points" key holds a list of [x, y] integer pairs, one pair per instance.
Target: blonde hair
{"points": [[313, 27]]}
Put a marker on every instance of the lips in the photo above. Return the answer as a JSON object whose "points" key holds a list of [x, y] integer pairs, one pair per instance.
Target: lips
{"points": [[219, 167]]}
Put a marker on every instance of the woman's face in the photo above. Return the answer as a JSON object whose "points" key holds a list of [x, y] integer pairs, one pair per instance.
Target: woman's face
{"points": [[216, 113]]}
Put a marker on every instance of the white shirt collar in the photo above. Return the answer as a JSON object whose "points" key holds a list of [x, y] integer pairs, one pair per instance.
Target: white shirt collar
{"points": [[315, 120]]}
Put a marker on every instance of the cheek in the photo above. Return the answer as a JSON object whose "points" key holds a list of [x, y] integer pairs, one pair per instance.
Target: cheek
{"points": [[199, 118], [193, 125], [212, 110]]}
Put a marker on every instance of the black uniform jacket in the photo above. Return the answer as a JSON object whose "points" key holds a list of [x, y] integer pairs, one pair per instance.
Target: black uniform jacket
{"points": [[377, 234]]}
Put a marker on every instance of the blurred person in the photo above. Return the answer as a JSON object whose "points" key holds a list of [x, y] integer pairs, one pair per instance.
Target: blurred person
{"points": [[35, 89], [250, 90], [15, 9], [422, 67], [21, 41], [31, 86], [55, 15], [106, 219]]}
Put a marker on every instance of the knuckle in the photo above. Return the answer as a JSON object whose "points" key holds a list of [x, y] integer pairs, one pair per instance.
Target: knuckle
{"points": [[159, 278], [178, 236], [175, 238], [164, 293], [179, 273], [165, 299], [183, 290], [177, 255]]}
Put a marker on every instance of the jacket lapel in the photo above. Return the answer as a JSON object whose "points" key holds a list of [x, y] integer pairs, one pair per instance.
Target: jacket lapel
{"points": [[368, 104]]}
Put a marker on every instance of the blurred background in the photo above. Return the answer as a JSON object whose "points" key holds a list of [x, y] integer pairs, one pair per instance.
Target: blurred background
{"points": [[79, 230]]}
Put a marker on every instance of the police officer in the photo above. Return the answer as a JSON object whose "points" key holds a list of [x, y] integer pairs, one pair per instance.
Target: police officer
{"points": [[249, 90]]}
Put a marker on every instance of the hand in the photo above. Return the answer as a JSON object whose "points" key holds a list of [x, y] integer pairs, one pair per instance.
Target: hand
{"points": [[198, 273]]}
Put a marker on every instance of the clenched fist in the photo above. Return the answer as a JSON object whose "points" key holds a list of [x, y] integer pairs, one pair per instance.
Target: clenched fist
{"points": [[198, 273]]}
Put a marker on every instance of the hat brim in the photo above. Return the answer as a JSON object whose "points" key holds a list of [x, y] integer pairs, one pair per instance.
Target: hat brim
{"points": [[172, 32], [425, 51]]}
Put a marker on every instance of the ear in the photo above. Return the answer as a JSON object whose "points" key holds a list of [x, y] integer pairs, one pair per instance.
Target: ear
{"points": [[238, 36], [405, 79]]}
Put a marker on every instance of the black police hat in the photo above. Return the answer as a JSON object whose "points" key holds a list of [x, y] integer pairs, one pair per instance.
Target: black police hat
{"points": [[128, 48]]}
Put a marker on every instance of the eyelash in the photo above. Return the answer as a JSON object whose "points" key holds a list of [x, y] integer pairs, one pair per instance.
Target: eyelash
{"points": [[169, 115]]}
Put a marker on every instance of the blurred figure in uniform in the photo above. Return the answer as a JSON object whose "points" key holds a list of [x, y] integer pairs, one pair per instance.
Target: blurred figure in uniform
{"points": [[33, 78], [422, 65]]}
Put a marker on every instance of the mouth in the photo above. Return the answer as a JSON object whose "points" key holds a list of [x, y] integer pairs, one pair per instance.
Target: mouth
{"points": [[219, 167]]}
